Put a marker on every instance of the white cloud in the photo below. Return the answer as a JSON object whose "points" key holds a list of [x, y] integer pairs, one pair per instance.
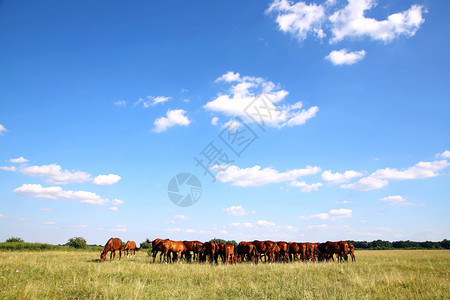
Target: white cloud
{"points": [[388, 229], [299, 19], [120, 103], [49, 223], [2, 129], [380, 177], [340, 177], [445, 154], [9, 169], [173, 117], [3, 216], [322, 226], [248, 92], [235, 211], [333, 214], [395, 200], [173, 230], [189, 230], [113, 208], [351, 22], [343, 57], [363, 221], [119, 229], [255, 176], [56, 192], [109, 179], [22, 220], [343, 202], [19, 160], [45, 209], [366, 184], [242, 225], [181, 217], [214, 120], [54, 174], [306, 188], [116, 202], [265, 223], [151, 101]]}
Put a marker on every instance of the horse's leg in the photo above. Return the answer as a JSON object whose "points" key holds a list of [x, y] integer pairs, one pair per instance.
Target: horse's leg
{"points": [[120, 253]]}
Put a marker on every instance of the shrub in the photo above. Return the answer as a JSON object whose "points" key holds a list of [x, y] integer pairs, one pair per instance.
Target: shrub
{"points": [[77, 242], [14, 240]]}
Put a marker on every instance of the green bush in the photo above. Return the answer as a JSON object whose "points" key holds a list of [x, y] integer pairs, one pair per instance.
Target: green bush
{"points": [[14, 240], [77, 243]]}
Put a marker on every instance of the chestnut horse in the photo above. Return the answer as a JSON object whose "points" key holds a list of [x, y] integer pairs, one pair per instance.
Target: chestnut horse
{"points": [[112, 245], [131, 247]]}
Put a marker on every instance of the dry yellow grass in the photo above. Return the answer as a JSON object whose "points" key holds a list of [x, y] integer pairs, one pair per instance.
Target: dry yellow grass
{"points": [[398, 274]]}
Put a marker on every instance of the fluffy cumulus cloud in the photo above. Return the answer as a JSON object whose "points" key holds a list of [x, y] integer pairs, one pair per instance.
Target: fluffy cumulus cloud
{"points": [[395, 200], [56, 192], [344, 57], [151, 101], [305, 187], [54, 174], [173, 117], [103, 180], [340, 177], [380, 178], [214, 120], [333, 214], [235, 210], [2, 129], [120, 103], [256, 176], [19, 160], [351, 22], [9, 169], [301, 19], [255, 99], [445, 154]]}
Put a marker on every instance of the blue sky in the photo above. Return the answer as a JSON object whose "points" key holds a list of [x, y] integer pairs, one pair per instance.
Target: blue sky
{"points": [[101, 104]]}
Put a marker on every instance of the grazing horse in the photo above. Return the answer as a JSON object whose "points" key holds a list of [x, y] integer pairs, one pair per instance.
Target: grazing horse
{"points": [[112, 245], [296, 249], [156, 246], [311, 251], [284, 251], [130, 247], [262, 248], [221, 251], [209, 249], [229, 254], [247, 249], [193, 246], [351, 250], [177, 248]]}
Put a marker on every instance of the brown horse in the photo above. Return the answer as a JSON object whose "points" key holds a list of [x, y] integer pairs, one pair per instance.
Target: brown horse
{"points": [[112, 245], [229, 254], [131, 248], [351, 250], [193, 246], [156, 246]]}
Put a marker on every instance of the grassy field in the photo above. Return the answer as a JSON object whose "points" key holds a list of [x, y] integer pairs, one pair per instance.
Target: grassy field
{"points": [[396, 274]]}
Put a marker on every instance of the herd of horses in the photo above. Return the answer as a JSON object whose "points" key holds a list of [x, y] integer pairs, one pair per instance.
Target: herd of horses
{"points": [[256, 251]]}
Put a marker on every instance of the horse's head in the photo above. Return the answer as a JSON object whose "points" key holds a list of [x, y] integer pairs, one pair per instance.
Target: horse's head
{"points": [[102, 256]]}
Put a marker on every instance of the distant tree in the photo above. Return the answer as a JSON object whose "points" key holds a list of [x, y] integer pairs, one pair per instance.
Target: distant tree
{"points": [[77, 242], [216, 240], [145, 245], [445, 244], [14, 240]]}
